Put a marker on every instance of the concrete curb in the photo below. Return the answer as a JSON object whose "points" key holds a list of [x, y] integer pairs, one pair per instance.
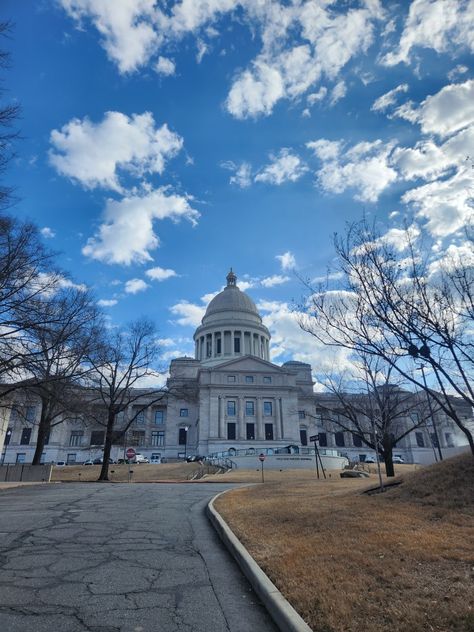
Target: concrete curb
{"points": [[281, 611]]}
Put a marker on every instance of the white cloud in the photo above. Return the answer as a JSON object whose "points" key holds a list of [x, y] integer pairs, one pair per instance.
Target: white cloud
{"points": [[94, 153], [105, 302], [314, 97], [255, 91], [242, 173], [458, 70], [283, 167], [133, 286], [448, 111], [287, 260], [126, 28], [389, 98], [160, 274], [165, 66], [127, 233], [276, 279], [443, 25], [338, 92], [48, 233], [188, 313], [365, 168]]}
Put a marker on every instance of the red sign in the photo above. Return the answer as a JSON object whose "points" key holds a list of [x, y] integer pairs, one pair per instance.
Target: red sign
{"points": [[130, 453], [261, 457]]}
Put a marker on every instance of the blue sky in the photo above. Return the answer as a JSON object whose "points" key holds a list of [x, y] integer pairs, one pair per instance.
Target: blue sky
{"points": [[163, 142]]}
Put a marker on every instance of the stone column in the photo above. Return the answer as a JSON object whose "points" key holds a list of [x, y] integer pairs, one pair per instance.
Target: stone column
{"points": [[219, 417], [280, 410], [241, 424], [259, 434]]}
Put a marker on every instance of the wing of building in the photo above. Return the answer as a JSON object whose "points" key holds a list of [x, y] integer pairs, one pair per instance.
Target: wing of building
{"points": [[229, 398]]}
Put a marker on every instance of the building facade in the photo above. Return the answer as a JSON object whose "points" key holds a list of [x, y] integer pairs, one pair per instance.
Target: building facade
{"points": [[229, 399]]}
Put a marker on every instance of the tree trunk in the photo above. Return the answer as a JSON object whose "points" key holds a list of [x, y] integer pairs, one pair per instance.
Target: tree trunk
{"points": [[104, 472], [43, 429], [388, 459]]}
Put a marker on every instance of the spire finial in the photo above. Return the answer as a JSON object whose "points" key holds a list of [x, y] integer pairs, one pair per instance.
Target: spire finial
{"points": [[231, 278]]}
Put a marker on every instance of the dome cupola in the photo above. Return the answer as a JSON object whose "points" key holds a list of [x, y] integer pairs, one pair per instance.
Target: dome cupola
{"points": [[231, 327]]}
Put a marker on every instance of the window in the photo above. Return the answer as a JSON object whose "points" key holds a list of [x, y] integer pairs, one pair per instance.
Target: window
{"points": [[140, 417], [301, 414], [267, 409], [182, 436], [75, 438], [20, 457], [157, 438], [250, 409], [303, 436], [30, 414], [183, 412], [420, 440], [449, 440], [230, 408], [159, 417], [218, 346], [25, 436], [118, 437], [8, 436], [339, 439], [323, 440], [269, 432], [71, 458], [434, 440], [231, 379], [250, 432], [236, 345], [415, 417], [267, 379], [318, 416], [138, 437], [208, 347], [47, 437], [231, 431], [357, 441], [97, 437], [249, 379]]}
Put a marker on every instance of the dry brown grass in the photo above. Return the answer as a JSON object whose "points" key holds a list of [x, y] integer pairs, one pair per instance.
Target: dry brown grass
{"points": [[143, 473], [402, 561]]}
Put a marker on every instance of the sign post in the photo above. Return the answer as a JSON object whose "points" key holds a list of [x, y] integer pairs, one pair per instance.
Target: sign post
{"points": [[317, 456], [261, 458], [130, 453]]}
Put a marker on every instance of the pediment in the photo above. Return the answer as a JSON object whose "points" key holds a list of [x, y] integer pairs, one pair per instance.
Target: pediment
{"points": [[248, 363]]}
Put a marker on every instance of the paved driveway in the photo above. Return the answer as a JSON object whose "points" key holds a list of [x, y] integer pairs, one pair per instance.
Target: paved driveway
{"points": [[129, 558]]}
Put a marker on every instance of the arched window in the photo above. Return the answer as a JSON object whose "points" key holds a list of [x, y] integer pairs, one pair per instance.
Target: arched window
{"points": [[339, 439]]}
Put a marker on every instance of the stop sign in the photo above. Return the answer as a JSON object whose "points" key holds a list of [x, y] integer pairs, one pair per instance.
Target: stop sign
{"points": [[130, 453], [261, 457]]}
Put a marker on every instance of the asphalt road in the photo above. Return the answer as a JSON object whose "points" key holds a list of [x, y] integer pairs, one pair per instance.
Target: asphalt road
{"points": [[128, 558]]}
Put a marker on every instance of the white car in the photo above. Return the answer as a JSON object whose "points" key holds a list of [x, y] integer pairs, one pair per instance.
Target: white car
{"points": [[139, 458], [398, 459]]}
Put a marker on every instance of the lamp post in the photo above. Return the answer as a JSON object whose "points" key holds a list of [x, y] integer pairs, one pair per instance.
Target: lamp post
{"points": [[424, 352], [186, 428]]}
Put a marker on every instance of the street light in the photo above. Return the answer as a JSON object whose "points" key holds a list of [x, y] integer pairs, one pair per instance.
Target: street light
{"points": [[186, 428], [424, 352]]}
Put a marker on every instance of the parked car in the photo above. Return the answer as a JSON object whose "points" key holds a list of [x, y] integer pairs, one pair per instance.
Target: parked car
{"points": [[156, 460], [88, 462], [139, 458], [398, 459], [61, 464], [194, 458], [100, 460], [369, 459]]}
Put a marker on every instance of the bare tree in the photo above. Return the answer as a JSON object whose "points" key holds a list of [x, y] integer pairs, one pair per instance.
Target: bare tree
{"points": [[395, 304], [371, 404], [118, 366], [56, 354]]}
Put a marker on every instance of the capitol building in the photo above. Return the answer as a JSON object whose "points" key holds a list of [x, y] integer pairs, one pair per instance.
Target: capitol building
{"points": [[229, 399]]}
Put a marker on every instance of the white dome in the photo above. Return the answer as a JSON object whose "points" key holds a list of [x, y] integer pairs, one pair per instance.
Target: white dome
{"points": [[230, 304]]}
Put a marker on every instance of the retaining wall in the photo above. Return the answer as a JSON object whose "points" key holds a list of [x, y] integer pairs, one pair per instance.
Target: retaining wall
{"points": [[25, 473]]}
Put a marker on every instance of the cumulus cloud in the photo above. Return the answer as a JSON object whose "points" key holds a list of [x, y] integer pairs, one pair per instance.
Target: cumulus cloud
{"points": [[94, 153], [287, 260], [389, 98], [188, 313], [242, 173], [107, 302], [276, 279], [338, 92], [165, 66], [255, 91], [160, 274], [133, 286], [135, 215], [365, 168], [442, 26], [48, 233], [283, 167]]}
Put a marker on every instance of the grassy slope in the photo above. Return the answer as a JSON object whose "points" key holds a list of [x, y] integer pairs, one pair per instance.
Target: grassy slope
{"points": [[402, 561]]}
